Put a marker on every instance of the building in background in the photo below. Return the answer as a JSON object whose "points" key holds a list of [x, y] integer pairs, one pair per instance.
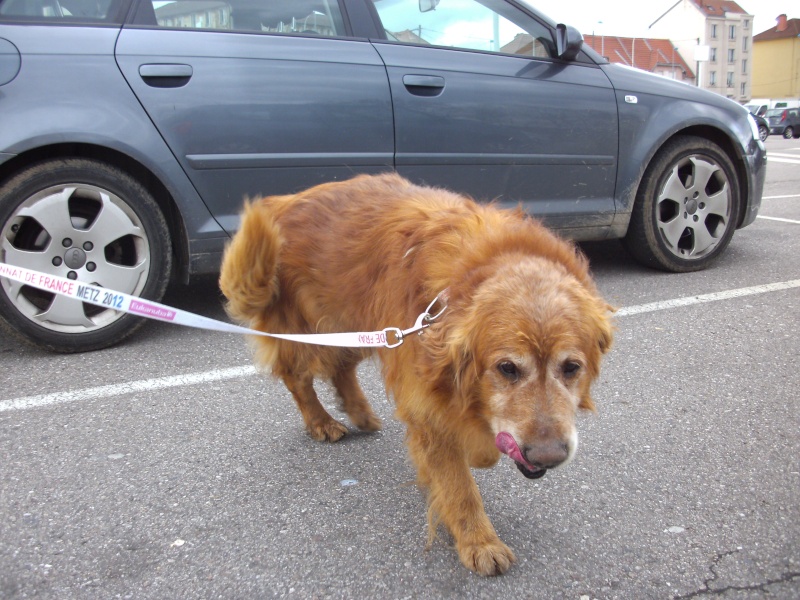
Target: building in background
{"points": [[658, 56], [776, 60], [717, 36]]}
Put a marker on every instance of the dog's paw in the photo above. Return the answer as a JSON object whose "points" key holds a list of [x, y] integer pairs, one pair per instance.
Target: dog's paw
{"points": [[327, 431], [367, 422], [493, 558]]}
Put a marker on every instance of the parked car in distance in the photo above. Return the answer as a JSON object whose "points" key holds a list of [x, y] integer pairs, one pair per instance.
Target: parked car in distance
{"points": [[763, 127], [784, 121], [758, 109], [132, 130]]}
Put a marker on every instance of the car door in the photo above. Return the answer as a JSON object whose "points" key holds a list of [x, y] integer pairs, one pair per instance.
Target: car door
{"points": [[482, 105], [794, 121], [258, 96]]}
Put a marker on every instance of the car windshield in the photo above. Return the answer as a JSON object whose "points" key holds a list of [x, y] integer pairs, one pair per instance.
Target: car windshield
{"points": [[776, 112]]}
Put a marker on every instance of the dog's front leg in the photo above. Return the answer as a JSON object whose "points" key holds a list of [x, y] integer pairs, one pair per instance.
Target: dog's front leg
{"points": [[455, 500]]}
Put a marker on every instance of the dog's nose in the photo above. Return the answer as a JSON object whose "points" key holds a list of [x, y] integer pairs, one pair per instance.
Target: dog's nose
{"points": [[547, 455]]}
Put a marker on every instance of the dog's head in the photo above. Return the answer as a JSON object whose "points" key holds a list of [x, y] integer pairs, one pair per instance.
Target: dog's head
{"points": [[521, 345]]}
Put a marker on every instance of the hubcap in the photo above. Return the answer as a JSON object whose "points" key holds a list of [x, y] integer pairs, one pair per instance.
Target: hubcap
{"points": [[693, 207], [74, 258], [81, 232]]}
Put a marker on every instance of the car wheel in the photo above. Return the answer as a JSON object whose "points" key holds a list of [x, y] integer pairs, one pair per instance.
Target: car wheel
{"points": [[85, 220], [686, 207], [763, 132], [788, 133]]}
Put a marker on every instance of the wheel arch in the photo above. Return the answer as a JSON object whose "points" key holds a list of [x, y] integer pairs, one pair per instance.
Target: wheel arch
{"points": [[725, 142], [134, 168]]}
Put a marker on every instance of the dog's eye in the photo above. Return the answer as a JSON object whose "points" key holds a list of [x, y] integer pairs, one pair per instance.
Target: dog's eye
{"points": [[508, 370], [570, 368]]}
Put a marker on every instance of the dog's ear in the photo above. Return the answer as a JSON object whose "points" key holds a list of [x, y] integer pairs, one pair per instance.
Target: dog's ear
{"points": [[602, 337], [586, 402], [605, 328], [450, 366]]}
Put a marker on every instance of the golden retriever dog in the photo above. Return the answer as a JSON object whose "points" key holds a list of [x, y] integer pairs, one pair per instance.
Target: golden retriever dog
{"points": [[504, 369]]}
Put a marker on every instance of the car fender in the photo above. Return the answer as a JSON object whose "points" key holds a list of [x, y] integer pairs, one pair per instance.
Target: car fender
{"points": [[653, 109]]}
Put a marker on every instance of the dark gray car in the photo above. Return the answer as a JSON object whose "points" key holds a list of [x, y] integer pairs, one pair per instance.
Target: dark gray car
{"points": [[784, 121], [132, 130]]}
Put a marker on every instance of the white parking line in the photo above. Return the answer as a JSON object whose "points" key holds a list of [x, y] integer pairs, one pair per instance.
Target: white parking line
{"points": [[147, 385], [778, 219], [779, 197], [715, 297], [788, 161], [106, 391]]}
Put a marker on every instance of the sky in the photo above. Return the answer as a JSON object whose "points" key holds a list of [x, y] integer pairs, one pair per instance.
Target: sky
{"points": [[630, 18]]}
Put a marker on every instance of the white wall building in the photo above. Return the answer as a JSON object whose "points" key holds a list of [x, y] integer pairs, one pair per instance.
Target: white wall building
{"points": [[715, 36]]}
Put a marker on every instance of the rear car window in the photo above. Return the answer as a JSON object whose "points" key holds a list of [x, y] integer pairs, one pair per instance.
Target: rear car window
{"points": [[63, 11], [306, 17]]}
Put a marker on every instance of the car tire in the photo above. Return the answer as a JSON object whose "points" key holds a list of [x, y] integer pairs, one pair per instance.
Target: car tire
{"points": [[763, 132], [788, 133], [686, 207], [85, 220]]}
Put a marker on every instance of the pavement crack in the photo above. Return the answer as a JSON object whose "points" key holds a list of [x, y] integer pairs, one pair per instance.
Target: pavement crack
{"points": [[707, 591]]}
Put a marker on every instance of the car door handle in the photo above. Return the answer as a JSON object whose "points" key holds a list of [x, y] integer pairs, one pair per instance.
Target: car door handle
{"points": [[166, 75], [424, 85]]}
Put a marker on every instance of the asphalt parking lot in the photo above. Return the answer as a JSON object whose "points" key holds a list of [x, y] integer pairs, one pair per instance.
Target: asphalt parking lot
{"points": [[165, 468]]}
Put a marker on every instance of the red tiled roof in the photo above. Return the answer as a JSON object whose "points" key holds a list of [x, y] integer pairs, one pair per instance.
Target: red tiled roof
{"points": [[792, 31], [408, 36], [718, 8], [642, 53]]}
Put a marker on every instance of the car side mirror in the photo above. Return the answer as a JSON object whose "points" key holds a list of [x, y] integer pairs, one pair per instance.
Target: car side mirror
{"points": [[427, 5], [569, 42]]}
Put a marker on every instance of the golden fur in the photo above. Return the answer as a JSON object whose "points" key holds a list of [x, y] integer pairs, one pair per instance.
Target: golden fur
{"points": [[516, 350]]}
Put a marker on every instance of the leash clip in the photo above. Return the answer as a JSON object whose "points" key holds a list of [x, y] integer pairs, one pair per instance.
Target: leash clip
{"points": [[398, 333], [441, 298], [423, 321]]}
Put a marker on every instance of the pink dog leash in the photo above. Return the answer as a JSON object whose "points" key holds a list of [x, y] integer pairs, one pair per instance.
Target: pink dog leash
{"points": [[390, 337]]}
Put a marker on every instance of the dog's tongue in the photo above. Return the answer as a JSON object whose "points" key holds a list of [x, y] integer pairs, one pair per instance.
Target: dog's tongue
{"points": [[506, 443]]}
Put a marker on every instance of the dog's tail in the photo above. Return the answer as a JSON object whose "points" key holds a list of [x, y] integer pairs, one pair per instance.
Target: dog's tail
{"points": [[248, 276]]}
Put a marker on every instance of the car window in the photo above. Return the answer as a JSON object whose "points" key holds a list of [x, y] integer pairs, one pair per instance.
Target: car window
{"points": [[488, 25], [63, 11], [307, 17]]}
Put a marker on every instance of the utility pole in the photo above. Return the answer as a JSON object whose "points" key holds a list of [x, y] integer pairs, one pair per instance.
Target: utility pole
{"points": [[698, 65]]}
